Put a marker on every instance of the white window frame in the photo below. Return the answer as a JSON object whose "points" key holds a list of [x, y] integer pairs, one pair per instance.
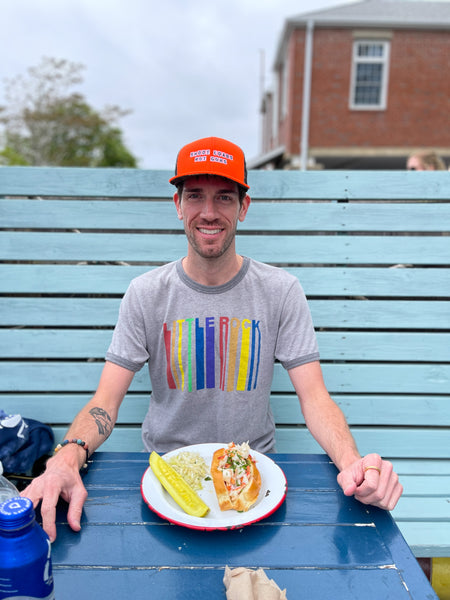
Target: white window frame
{"points": [[383, 60]]}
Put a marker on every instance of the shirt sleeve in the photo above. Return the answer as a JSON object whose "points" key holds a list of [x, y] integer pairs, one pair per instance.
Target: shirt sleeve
{"points": [[128, 346], [297, 342]]}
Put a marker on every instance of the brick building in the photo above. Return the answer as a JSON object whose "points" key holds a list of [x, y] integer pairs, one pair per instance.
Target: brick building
{"points": [[359, 86]]}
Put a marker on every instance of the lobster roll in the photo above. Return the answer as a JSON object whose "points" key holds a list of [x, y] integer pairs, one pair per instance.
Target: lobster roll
{"points": [[236, 479]]}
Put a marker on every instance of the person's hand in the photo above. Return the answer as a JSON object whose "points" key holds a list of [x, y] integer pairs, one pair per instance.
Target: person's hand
{"points": [[60, 478], [371, 480]]}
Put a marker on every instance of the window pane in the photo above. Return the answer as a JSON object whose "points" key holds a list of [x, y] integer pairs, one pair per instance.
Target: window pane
{"points": [[370, 50], [368, 73], [368, 84], [367, 95], [362, 49]]}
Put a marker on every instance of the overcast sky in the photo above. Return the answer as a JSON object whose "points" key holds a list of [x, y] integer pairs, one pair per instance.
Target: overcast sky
{"points": [[186, 68]]}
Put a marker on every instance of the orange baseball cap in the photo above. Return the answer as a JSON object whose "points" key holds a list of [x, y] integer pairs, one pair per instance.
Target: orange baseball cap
{"points": [[211, 156]]}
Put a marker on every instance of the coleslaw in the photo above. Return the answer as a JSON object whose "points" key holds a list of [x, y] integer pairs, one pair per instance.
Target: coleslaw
{"points": [[191, 466]]}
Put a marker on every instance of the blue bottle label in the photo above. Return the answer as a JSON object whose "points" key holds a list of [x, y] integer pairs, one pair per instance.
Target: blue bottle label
{"points": [[25, 554], [34, 584]]}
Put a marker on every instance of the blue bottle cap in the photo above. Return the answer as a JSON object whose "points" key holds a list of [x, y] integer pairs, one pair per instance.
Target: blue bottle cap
{"points": [[15, 513]]}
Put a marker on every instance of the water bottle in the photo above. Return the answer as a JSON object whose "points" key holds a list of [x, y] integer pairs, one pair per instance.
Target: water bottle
{"points": [[7, 489], [25, 553]]}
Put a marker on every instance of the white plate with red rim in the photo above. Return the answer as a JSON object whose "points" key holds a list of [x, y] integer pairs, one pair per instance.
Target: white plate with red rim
{"points": [[271, 496]]}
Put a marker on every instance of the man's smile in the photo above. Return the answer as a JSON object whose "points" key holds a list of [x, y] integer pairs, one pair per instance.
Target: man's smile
{"points": [[209, 231]]}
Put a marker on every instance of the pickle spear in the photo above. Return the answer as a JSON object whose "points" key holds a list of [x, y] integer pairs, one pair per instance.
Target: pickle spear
{"points": [[177, 487]]}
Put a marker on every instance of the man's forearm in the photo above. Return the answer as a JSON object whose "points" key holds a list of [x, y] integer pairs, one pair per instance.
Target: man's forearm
{"points": [[93, 424], [330, 429], [373, 482], [95, 421], [323, 417]]}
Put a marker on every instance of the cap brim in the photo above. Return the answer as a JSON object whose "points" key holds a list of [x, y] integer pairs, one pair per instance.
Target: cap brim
{"points": [[178, 179]]}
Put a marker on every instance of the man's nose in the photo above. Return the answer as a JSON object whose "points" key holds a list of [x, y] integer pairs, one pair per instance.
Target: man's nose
{"points": [[209, 209]]}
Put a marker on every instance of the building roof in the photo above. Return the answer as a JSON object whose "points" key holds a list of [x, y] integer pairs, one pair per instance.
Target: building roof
{"points": [[405, 14]]}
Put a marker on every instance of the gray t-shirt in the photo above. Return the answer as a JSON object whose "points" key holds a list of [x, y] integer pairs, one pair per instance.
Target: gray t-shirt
{"points": [[211, 351]]}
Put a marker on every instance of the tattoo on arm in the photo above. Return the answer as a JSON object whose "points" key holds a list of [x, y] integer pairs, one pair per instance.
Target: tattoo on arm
{"points": [[103, 420]]}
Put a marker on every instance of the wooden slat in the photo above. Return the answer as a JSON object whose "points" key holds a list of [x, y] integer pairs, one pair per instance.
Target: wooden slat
{"points": [[316, 281], [92, 247], [361, 346], [294, 249], [347, 185], [60, 409], [373, 378], [69, 312], [386, 346], [54, 343], [347, 217], [262, 216], [381, 410], [417, 487], [89, 214], [79, 182], [335, 314], [422, 466], [68, 279], [293, 185], [420, 509], [373, 409], [170, 584], [426, 539], [386, 378], [390, 443], [380, 314]]}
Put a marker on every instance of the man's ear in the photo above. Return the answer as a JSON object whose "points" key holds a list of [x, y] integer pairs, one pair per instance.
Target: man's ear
{"points": [[177, 200], [244, 207]]}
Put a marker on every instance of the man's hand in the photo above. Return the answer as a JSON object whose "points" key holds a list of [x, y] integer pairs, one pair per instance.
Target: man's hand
{"points": [[371, 480], [61, 478]]}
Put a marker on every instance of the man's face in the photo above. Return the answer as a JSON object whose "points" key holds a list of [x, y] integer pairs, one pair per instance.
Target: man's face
{"points": [[210, 209]]}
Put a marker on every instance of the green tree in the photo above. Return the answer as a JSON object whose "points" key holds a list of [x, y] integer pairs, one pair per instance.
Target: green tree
{"points": [[8, 156], [46, 123]]}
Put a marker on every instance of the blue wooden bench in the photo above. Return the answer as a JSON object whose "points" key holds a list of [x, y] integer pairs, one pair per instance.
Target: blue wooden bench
{"points": [[372, 253]]}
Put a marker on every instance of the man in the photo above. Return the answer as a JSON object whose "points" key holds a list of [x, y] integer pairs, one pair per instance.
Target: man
{"points": [[210, 326]]}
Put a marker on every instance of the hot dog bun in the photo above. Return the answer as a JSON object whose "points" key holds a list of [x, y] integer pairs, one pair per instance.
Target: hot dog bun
{"points": [[236, 479]]}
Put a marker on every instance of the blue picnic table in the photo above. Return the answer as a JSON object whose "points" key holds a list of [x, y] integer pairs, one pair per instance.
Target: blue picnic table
{"points": [[318, 544]]}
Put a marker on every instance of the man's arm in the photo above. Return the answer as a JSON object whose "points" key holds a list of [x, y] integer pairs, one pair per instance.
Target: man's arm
{"points": [[93, 425], [370, 478]]}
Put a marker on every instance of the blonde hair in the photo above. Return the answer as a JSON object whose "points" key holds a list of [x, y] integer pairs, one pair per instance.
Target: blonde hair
{"points": [[430, 160]]}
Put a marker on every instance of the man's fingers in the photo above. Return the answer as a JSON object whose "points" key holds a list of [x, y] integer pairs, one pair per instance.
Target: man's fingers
{"points": [[395, 496], [393, 490], [370, 483], [349, 488], [28, 493], [48, 510], [347, 483], [380, 489], [373, 476], [76, 508], [48, 513], [372, 480], [48, 487]]}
